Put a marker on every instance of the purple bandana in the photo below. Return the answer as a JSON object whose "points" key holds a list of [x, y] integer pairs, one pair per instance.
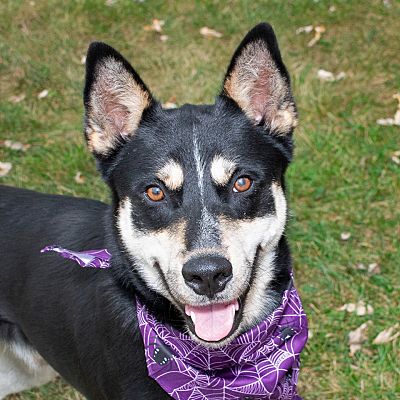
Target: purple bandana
{"points": [[86, 259], [262, 363]]}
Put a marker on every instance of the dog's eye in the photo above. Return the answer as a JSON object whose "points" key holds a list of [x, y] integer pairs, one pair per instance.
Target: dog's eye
{"points": [[155, 193], [242, 184]]}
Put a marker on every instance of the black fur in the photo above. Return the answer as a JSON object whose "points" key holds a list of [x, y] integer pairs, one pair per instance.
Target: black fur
{"points": [[83, 322]]}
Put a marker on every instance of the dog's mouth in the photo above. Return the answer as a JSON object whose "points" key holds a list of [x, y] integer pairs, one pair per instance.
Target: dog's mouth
{"points": [[214, 322]]}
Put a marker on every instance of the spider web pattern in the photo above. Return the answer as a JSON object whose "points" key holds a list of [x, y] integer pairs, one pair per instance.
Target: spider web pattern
{"points": [[262, 363]]}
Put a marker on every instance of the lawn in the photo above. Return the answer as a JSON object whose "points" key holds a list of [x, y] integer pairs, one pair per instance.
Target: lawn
{"points": [[344, 179]]}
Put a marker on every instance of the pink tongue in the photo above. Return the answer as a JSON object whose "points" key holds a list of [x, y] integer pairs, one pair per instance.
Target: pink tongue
{"points": [[213, 322]]}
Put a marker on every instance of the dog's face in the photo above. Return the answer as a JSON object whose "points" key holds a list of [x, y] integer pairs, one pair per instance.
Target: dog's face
{"points": [[199, 189]]}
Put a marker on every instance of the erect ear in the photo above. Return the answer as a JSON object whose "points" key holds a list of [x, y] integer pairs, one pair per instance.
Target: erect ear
{"points": [[114, 97], [258, 82]]}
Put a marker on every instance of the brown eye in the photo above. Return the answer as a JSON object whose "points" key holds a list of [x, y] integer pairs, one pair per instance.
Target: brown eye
{"points": [[242, 184], [155, 193]]}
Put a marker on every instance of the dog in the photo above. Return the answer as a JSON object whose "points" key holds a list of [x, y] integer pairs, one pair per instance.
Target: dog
{"points": [[195, 229]]}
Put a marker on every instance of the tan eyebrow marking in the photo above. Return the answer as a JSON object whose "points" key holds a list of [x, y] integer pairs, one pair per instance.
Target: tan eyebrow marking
{"points": [[171, 174], [222, 170]]}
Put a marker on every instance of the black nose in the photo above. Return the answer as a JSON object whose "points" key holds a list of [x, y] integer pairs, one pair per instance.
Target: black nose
{"points": [[207, 275]]}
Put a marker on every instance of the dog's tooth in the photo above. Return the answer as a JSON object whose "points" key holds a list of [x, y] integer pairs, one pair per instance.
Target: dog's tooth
{"points": [[192, 315], [236, 306]]}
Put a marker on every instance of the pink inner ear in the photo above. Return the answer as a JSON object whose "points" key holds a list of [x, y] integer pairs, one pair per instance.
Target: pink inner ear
{"points": [[116, 113], [260, 95]]}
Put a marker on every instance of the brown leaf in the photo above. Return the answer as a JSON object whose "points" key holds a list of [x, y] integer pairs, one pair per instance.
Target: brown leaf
{"points": [[396, 119], [17, 98], [319, 30], [5, 168], [170, 103], [210, 33], [16, 145], [358, 337], [374, 268], [79, 178], [156, 25], [386, 335]]}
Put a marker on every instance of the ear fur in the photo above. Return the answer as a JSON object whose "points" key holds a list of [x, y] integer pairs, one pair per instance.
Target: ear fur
{"points": [[114, 98], [258, 82]]}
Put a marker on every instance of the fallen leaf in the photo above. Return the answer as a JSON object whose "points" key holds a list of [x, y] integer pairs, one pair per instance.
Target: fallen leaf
{"points": [[360, 308], [387, 3], [79, 178], [44, 93], [110, 3], [83, 60], [396, 119], [386, 335], [358, 337], [156, 25], [17, 98], [396, 160], [210, 33], [345, 236], [5, 168], [16, 145], [170, 103], [304, 29], [319, 30], [374, 268], [163, 38], [328, 76], [332, 9], [360, 266]]}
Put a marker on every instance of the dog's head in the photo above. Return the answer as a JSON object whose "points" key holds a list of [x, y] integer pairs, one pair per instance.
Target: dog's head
{"points": [[200, 206]]}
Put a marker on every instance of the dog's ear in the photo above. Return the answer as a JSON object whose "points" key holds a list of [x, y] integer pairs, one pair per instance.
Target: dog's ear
{"points": [[114, 97], [258, 82]]}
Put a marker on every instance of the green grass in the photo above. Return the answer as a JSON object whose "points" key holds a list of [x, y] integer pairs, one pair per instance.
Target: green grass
{"points": [[342, 178]]}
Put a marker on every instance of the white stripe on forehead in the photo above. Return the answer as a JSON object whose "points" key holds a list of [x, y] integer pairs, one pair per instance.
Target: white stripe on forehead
{"points": [[208, 232], [172, 175], [222, 170]]}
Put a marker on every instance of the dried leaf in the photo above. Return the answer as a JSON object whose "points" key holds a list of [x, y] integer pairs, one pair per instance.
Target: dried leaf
{"points": [[360, 308], [358, 337], [5, 168], [16, 145], [328, 76], [44, 93], [110, 3], [386, 335], [304, 29], [163, 38], [319, 30], [17, 98], [79, 178], [345, 236], [83, 60], [396, 119], [374, 268], [210, 33], [396, 160], [332, 9], [360, 266], [156, 25], [170, 103]]}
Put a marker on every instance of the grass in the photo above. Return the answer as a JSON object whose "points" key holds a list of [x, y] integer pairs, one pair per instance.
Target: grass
{"points": [[342, 179]]}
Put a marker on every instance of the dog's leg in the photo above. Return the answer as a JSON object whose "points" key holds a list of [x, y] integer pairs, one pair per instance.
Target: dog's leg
{"points": [[21, 368]]}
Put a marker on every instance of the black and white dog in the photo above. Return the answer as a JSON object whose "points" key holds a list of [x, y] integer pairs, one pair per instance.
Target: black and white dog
{"points": [[197, 219]]}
